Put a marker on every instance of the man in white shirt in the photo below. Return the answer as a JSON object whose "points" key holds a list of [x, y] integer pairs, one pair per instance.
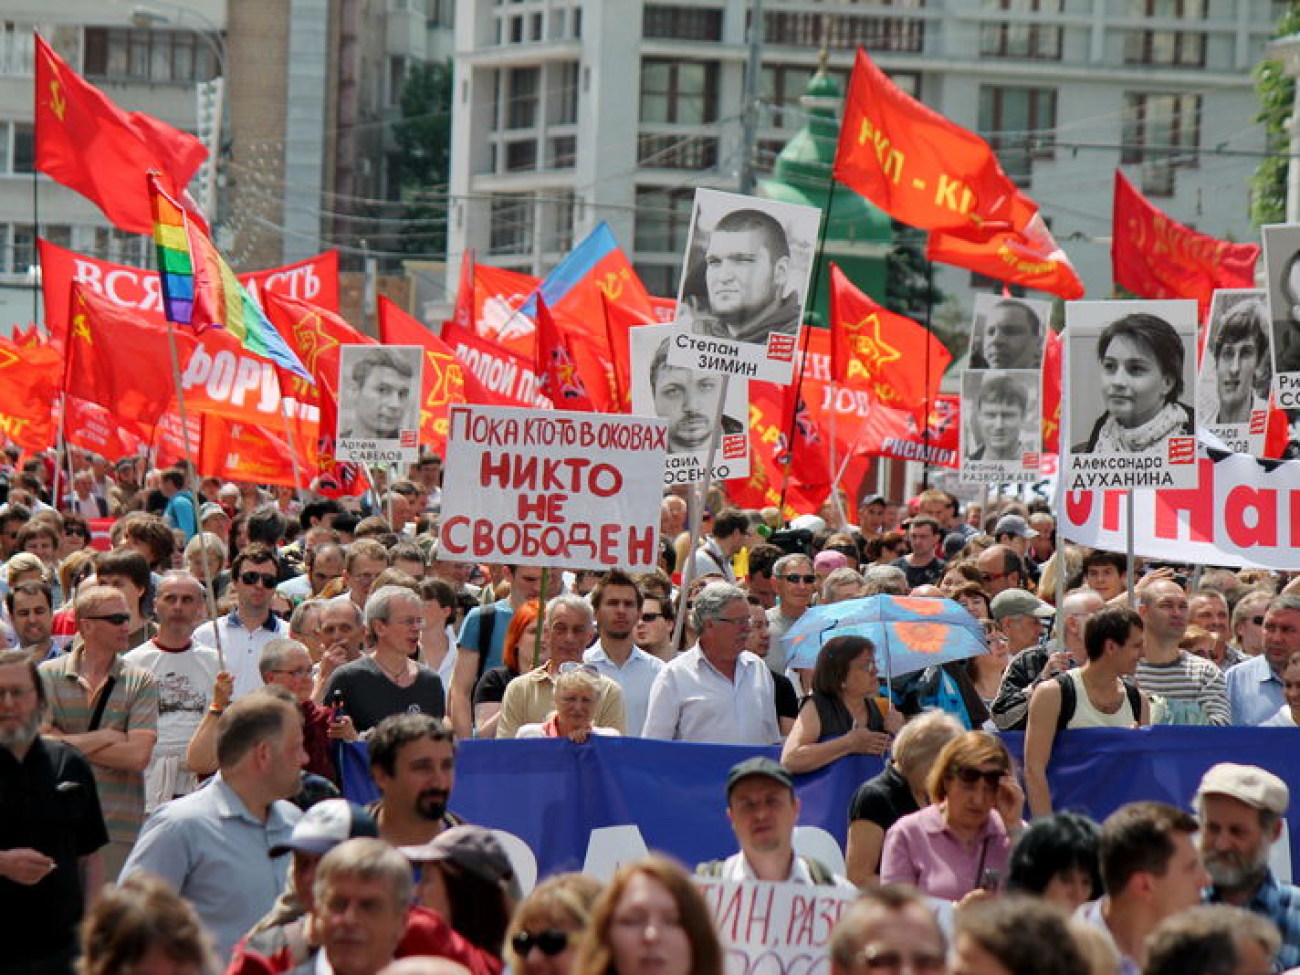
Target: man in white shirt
{"points": [[763, 810], [716, 691], [617, 602], [252, 625], [185, 674]]}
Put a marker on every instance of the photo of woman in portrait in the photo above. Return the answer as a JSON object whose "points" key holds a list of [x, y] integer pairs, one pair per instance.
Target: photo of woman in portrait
{"points": [[1140, 360]]}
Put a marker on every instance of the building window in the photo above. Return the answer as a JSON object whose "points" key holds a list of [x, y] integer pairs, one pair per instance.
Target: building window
{"points": [[521, 110], [659, 279], [564, 152], [663, 219], [681, 23], [17, 148], [564, 85], [512, 225], [679, 92], [1178, 48], [122, 53], [845, 32], [676, 152], [111, 244], [1162, 128], [17, 49], [1021, 39], [521, 156], [1020, 125]]}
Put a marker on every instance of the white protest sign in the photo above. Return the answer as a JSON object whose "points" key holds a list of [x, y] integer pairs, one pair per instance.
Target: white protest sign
{"points": [[775, 929], [688, 401], [744, 285], [1129, 371], [1243, 513], [558, 489], [1282, 274]]}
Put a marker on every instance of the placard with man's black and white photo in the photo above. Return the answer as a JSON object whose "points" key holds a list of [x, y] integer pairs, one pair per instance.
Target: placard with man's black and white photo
{"points": [[744, 286], [1129, 374], [688, 400], [1282, 279], [1008, 333], [379, 404], [1236, 370], [1002, 427]]}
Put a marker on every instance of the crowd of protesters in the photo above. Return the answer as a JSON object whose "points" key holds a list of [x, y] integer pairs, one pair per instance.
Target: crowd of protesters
{"points": [[185, 656]]}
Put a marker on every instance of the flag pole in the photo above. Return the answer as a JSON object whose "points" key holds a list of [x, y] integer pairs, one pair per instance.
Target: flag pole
{"points": [[697, 512], [288, 433], [925, 423], [209, 595], [818, 260]]}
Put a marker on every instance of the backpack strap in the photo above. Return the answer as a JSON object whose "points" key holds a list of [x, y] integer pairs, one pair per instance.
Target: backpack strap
{"points": [[1069, 700], [487, 621], [1134, 701]]}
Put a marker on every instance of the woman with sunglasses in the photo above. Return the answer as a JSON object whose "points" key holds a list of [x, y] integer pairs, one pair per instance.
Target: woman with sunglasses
{"points": [[962, 841], [840, 717], [651, 920], [543, 935]]}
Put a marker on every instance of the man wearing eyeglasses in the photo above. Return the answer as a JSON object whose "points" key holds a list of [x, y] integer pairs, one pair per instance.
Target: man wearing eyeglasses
{"points": [[51, 828], [388, 681], [251, 625], [885, 929], [530, 697], [185, 674], [716, 691], [795, 584], [108, 710]]}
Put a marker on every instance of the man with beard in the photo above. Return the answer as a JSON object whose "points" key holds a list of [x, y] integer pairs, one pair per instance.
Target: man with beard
{"points": [[1241, 809], [618, 602], [413, 762], [688, 400], [51, 828]]}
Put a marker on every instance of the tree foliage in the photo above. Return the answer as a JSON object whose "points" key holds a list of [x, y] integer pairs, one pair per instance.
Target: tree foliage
{"points": [[1276, 90], [421, 163]]}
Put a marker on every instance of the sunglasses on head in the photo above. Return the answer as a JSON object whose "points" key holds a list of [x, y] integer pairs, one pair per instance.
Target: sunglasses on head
{"points": [[549, 942], [116, 619], [971, 776], [254, 578]]}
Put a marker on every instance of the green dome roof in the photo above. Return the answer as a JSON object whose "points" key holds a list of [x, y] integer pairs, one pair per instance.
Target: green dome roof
{"points": [[802, 171]]}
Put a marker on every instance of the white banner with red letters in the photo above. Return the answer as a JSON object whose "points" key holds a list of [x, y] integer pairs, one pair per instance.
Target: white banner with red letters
{"points": [[1245, 512], [552, 488]]}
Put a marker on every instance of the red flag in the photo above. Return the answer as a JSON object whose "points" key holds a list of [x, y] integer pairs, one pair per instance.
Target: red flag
{"points": [[1052, 392], [895, 433], [620, 319], [1156, 257], [94, 428], [505, 379], [243, 452], [557, 370], [445, 381], [884, 353], [118, 362], [87, 143], [29, 383], [916, 165], [1029, 257], [464, 313], [497, 298]]}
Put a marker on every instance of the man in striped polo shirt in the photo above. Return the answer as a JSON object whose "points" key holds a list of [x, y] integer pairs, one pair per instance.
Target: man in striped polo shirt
{"points": [[107, 710], [1185, 689]]}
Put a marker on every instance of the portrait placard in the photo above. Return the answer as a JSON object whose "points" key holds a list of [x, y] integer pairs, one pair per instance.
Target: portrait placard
{"points": [[744, 286], [1002, 432], [1130, 371], [1236, 370], [379, 404], [1282, 278], [688, 402]]}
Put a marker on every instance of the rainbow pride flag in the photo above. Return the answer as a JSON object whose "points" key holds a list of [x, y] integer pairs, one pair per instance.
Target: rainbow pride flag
{"points": [[200, 290]]}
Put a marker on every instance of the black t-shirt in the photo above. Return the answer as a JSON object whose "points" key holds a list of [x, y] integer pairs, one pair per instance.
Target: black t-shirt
{"points": [[48, 803], [369, 696], [883, 799], [491, 687], [925, 575], [785, 696]]}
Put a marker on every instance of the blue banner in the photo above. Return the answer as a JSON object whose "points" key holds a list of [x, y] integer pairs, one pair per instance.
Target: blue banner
{"points": [[553, 794]]}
